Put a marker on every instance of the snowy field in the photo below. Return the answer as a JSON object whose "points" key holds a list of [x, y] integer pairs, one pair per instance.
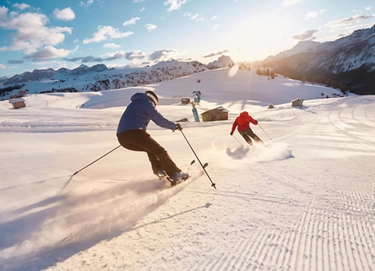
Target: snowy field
{"points": [[306, 201]]}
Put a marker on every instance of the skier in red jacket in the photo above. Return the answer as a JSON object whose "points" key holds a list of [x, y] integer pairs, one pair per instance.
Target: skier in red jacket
{"points": [[243, 123]]}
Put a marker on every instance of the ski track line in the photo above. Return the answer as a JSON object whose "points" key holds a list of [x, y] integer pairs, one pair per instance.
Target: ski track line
{"points": [[253, 249], [297, 239], [311, 245], [312, 252], [244, 249], [262, 255], [282, 250], [306, 244], [360, 114], [358, 232], [241, 256], [362, 253], [351, 246], [333, 235], [362, 111], [372, 118], [342, 126], [273, 244], [327, 254], [339, 263]]}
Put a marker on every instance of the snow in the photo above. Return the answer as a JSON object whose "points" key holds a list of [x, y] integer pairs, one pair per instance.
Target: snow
{"points": [[305, 201]]}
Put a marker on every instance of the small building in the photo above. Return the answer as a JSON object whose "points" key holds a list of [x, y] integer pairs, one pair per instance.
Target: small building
{"points": [[218, 113], [297, 102], [17, 103], [185, 100]]}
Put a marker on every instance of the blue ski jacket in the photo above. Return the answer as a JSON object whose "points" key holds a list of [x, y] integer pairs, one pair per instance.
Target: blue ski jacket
{"points": [[138, 114]]}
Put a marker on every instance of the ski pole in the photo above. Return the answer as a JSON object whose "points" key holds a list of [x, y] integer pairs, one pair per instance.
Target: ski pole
{"points": [[237, 140], [264, 131], [203, 167], [96, 160]]}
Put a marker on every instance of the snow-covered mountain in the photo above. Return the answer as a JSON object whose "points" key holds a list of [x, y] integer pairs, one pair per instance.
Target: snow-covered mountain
{"points": [[99, 77], [36, 75], [96, 78], [349, 61], [222, 62], [301, 47]]}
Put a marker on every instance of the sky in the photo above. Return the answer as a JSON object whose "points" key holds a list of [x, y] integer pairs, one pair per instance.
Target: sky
{"points": [[305, 201], [53, 34]]}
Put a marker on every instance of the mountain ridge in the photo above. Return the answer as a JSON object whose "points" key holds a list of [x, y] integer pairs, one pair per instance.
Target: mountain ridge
{"points": [[348, 61], [99, 77]]}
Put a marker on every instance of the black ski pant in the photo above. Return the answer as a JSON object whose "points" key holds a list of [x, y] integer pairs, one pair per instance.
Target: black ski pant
{"points": [[248, 134], [140, 140]]}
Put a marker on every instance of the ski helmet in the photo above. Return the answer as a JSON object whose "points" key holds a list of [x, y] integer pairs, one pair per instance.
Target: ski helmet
{"points": [[152, 97]]}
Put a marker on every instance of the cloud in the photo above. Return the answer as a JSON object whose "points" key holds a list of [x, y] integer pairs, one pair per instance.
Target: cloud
{"points": [[214, 17], [313, 14], [21, 6], [175, 4], [3, 12], [137, 1], [3, 67], [131, 21], [114, 56], [50, 52], [87, 4], [15, 61], [31, 32], [216, 53], [287, 3], [310, 15], [135, 55], [84, 59], [111, 45], [110, 57], [150, 27], [368, 8], [349, 20], [162, 55], [305, 35], [87, 59], [196, 16], [65, 14], [216, 26], [105, 32]]}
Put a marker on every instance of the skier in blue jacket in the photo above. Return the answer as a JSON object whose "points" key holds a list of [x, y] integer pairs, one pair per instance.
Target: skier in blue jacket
{"points": [[132, 135]]}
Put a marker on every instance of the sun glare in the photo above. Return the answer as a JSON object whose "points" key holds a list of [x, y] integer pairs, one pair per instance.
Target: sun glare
{"points": [[257, 40], [233, 70]]}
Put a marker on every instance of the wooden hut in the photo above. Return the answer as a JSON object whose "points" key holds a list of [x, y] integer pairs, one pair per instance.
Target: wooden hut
{"points": [[185, 100], [218, 113], [17, 103]]}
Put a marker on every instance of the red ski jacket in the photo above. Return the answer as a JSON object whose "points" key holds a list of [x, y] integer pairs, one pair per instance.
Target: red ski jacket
{"points": [[243, 122]]}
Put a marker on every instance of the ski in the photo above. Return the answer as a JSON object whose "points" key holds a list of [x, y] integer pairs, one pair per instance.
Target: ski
{"points": [[173, 183]]}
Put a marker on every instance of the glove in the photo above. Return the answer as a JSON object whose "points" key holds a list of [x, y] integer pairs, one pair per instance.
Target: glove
{"points": [[179, 126], [231, 133]]}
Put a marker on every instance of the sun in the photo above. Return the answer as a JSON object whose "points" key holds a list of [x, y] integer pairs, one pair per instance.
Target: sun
{"points": [[258, 40]]}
